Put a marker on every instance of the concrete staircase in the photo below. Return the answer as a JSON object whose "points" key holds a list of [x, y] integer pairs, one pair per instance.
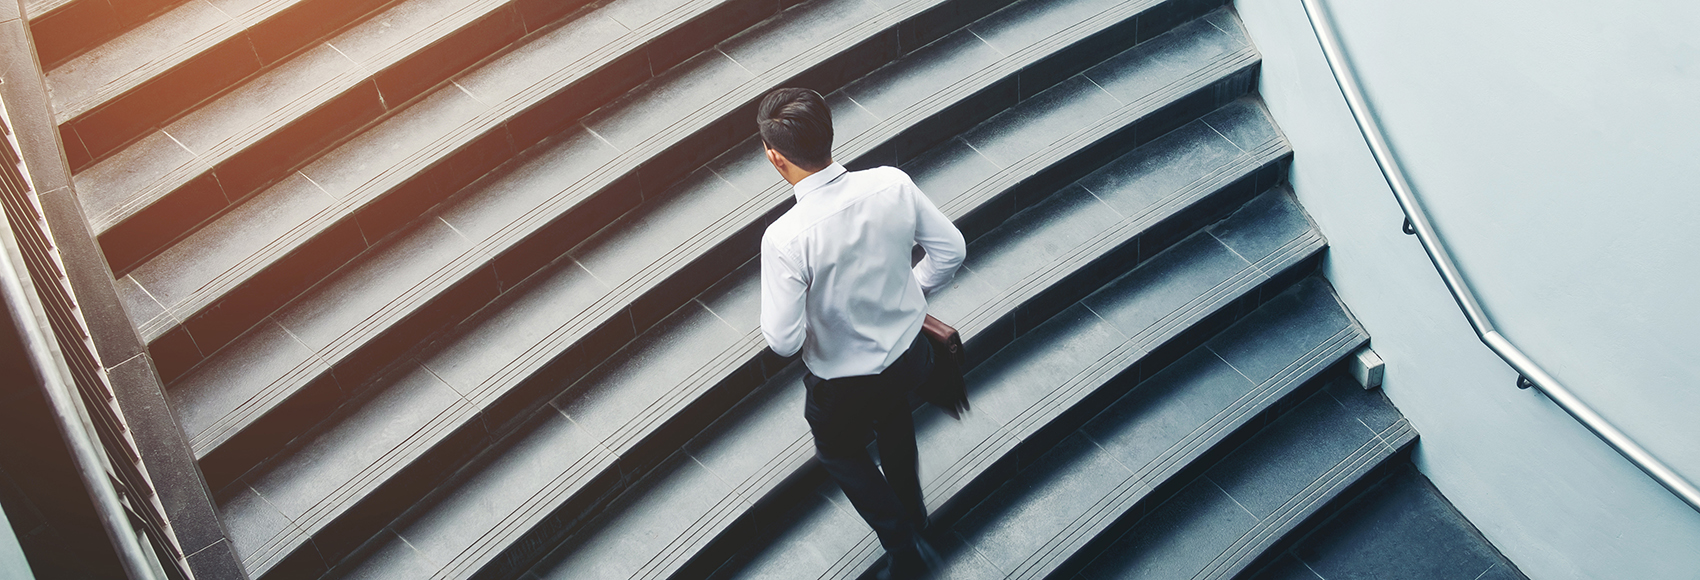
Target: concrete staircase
{"points": [[466, 288]]}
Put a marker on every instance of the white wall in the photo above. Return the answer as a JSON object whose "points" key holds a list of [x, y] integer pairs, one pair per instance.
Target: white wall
{"points": [[1551, 143]]}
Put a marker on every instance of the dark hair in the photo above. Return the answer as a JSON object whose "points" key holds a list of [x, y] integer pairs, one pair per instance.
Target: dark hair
{"points": [[797, 124]]}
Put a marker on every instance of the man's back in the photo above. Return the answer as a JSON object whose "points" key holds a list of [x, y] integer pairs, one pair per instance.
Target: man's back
{"points": [[836, 285], [846, 246]]}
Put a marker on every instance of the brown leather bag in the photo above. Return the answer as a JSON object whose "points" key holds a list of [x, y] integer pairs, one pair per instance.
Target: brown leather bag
{"points": [[945, 387]]}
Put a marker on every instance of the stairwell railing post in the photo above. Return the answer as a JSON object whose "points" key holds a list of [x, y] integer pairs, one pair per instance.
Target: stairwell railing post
{"points": [[1417, 223]]}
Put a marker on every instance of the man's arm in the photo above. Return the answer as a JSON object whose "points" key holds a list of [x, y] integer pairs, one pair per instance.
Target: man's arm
{"points": [[782, 299], [940, 238]]}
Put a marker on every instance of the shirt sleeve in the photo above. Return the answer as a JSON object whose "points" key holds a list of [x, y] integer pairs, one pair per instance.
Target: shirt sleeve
{"points": [[943, 242], [783, 287]]}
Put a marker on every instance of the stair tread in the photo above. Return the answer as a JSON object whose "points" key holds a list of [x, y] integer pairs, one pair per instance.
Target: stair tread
{"points": [[1398, 526], [1220, 522], [629, 398], [115, 188], [196, 271], [142, 53], [34, 9]]}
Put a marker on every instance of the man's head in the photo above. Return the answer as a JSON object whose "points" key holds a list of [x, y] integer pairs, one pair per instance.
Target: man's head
{"points": [[796, 128]]}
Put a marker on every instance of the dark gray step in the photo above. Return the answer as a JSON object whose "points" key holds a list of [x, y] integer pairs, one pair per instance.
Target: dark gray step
{"points": [[1047, 381], [62, 29], [489, 382], [224, 278], [111, 94], [1398, 525], [171, 180], [1164, 431], [1218, 523], [669, 377]]}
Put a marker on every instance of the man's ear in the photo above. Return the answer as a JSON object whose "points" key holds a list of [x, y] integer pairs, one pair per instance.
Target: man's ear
{"points": [[779, 161]]}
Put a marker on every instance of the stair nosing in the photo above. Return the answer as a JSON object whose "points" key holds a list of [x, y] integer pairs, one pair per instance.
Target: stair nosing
{"points": [[266, 125], [79, 106], [1338, 477], [35, 9]]}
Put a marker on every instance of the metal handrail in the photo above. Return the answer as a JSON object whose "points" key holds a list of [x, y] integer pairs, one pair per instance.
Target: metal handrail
{"points": [[1417, 223], [73, 425]]}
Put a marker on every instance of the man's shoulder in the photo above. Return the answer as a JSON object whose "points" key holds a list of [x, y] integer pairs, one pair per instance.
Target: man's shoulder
{"points": [[884, 175], [801, 217], [784, 228]]}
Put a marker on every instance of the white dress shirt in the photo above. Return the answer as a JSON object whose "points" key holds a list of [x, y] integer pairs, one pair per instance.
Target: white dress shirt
{"points": [[835, 277]]}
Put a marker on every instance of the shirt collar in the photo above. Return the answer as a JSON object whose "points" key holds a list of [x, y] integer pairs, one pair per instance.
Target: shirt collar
{"points": [[818, 180]]}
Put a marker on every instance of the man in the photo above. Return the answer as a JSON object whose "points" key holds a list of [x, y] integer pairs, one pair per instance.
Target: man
{"points": [[836, 285]]}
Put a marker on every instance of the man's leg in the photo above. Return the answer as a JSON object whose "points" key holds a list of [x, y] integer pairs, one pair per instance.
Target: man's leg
{"points": [[840, 417], [900, 461], [894, 428]]}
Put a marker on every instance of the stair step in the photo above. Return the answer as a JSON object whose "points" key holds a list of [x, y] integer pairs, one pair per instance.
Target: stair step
{"points": [[161, 187], [113, 93], [487, 382], [62, 29], [197, 295], [1040, 383], [1219, 523], [665, 378], [1393, 523]]}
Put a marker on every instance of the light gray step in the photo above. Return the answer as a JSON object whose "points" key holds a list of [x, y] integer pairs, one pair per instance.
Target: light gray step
{"points": [[62, 29], [221, 280], [149, 74], [619, 405], [176, 176]]}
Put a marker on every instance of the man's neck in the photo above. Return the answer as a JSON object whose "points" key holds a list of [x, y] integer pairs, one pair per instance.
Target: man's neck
{"points": [[794, 174]]}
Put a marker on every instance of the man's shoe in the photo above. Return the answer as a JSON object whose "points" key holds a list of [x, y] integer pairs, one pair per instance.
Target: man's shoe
{"points": [[917, 562]]}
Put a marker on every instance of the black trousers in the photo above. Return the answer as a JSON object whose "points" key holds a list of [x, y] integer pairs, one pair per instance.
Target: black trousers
{"points": [[846, 413]]}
